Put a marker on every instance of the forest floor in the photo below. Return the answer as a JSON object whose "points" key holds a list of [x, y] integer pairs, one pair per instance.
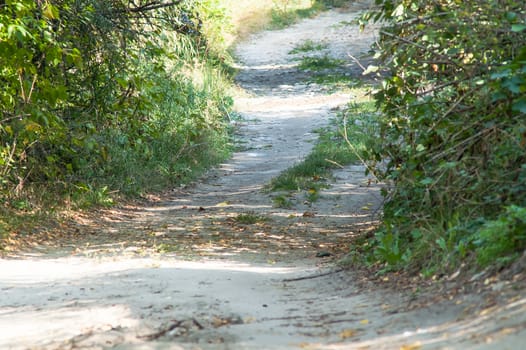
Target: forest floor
{"points": [[215, 265]]}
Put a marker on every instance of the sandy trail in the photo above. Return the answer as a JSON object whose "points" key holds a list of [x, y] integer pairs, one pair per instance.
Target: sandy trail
{"points": [[183, 273]]}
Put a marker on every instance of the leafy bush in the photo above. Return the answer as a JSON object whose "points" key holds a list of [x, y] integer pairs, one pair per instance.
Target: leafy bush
{"points": [[453, 125], [108, 95]]}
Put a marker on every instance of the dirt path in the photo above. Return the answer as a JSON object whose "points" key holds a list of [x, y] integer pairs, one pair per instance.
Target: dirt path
{"points": [[186, 272]]}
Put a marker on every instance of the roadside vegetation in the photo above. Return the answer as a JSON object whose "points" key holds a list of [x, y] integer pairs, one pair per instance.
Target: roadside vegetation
{"points": [[446, 136], [103, 100], [450, 142]]}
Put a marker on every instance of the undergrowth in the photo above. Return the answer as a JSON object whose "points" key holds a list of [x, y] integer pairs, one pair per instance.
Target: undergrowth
{"points": [[451, 141]]}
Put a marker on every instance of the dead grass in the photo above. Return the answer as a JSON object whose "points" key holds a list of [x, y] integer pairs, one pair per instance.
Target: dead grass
{"points": [[247, 17], [250, 16]]}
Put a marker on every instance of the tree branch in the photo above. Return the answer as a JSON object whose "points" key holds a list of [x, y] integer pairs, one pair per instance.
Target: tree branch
{"points": [[154, 5]]}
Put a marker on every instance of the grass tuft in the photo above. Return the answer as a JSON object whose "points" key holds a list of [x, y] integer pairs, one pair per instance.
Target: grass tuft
{"points": [[316, 64], [334, 149], [250, 218], [308, 46], [282, 201]]}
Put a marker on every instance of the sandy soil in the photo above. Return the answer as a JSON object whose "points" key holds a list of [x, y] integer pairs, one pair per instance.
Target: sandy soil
{"points": [[183, 272]]}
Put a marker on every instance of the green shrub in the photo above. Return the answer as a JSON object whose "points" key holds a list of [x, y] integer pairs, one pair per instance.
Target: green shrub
{"points": [[452, 131], [94, 98]]}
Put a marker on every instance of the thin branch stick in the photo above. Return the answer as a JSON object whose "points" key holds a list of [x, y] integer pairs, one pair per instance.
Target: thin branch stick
{"points": [[22, 86], [403, 39], [454, 147], [312, 276], [441, 86], [153, 6], [449, 110], [354, 150], [18, 116], [357, 62], [32, 88], [162, 332], [9, 158], [335, 163]]}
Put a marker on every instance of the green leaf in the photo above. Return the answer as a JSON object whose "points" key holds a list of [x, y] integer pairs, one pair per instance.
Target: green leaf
{"points": [[448, 165], [518, 27], [500, 74], [427, 181], [50, 11], [399, 11], [18, 31], [441, 242], [513, 84], [511, 16], [519, 105], [371, 69], [498, 96]]}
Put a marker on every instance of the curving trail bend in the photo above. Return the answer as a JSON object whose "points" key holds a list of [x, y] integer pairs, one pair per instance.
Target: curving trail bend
{"points": [[180, 272]]}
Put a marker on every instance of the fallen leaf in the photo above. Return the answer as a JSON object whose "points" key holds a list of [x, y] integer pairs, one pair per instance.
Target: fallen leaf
{"points": [[248, 320], [414, 346], [364, 321], [348, 333], [218, 322], [507, 331], [487, 311], [223, 204]]}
